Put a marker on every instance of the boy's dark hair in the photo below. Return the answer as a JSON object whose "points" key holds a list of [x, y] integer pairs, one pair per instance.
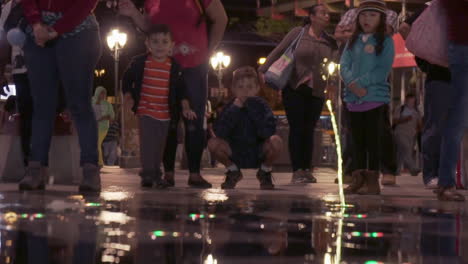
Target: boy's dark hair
{"points": [[158, 29], [244, 72]]}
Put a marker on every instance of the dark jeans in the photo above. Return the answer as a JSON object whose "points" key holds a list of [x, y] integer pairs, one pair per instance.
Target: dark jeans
{"points": [[388, 155], [303, 111], [456, 119], [197, 93], [436, 104], [153, 134], [366, 129], [71, 61], [25, 109]]}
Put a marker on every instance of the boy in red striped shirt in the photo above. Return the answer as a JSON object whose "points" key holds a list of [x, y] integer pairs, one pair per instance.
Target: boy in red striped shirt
{"points": [[153, 86]]}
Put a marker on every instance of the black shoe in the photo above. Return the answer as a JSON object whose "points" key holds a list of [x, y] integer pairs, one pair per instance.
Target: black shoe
{"points": [[232, 178], [162, 184], [170, 182], [146, 182], [91, 181], [265, 179], [33, 179], [199, 184]]}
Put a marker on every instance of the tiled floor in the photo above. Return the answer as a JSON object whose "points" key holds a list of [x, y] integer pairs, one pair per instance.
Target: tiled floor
{"points": [[292, 224]]}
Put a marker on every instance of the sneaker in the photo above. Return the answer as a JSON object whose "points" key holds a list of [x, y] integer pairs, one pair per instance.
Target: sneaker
{"points": [[432, 184], [309, 177], [265, 178], [91, 181], [34, 178], [298, 177], [232, 178]]}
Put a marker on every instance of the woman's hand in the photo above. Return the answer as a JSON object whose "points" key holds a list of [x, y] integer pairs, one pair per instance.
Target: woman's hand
{"points": [[41, 34]]}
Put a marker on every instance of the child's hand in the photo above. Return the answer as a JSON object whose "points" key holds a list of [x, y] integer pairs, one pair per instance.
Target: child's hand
{"points": [[354, 88], [189, 114]]}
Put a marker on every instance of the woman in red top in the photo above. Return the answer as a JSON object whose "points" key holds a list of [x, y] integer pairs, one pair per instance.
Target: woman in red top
{"points": [[63, 44]]}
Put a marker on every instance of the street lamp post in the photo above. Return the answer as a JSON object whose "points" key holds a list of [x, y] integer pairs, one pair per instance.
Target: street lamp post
{"points": [[116, 41], [219, 62]]}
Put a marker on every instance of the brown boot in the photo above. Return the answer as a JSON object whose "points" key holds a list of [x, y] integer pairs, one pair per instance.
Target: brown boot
{"points": [[388, 179], [358, 182], [371, 187]]}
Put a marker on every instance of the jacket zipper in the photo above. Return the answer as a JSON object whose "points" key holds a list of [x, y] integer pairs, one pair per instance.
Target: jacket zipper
{"points": [[50, 4]]}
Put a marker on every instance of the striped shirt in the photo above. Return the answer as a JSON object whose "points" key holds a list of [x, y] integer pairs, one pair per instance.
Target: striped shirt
{"points": [[154, 100]]}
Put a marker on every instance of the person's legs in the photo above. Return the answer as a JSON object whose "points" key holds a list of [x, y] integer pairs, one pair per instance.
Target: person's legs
{"points": [[359, 162], [436, 104], [106, 149], [170, 152], [77, 57], [147, 150], [455, 123], [101, 136], [112, 157], [222, 152], [43, 78], [388, 159], [373, 131], [294, 106], [405, 144], [313, 110], [197, 93], [25, 109], [271, 150]]}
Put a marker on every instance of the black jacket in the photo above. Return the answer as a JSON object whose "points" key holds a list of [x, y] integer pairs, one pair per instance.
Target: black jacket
{"points": [[133, 81], [246, 129]]}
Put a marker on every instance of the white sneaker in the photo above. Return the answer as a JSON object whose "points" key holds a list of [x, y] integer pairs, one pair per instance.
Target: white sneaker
{"points": [[433, 184]]}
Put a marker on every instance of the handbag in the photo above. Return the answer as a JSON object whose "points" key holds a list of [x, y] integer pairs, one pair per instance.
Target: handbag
{"points": [[279, 73], [428, 36]]}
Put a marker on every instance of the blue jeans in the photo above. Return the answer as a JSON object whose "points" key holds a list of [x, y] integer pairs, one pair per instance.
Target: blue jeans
{"points": [[436, 104], [457, 115], [70, 62]]}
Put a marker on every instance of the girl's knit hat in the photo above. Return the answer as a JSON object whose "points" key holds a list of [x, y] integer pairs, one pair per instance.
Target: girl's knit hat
{"points": [[372, 5]]}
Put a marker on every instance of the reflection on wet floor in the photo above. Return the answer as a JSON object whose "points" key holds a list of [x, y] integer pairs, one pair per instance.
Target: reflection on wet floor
{"points": [[217, 227]]}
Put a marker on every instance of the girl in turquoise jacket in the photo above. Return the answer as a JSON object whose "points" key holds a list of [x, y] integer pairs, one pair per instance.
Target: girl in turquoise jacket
{"points": [[365, 65]]}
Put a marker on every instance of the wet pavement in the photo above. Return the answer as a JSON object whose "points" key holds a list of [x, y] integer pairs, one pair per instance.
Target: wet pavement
{"points": [[293, 224]]}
